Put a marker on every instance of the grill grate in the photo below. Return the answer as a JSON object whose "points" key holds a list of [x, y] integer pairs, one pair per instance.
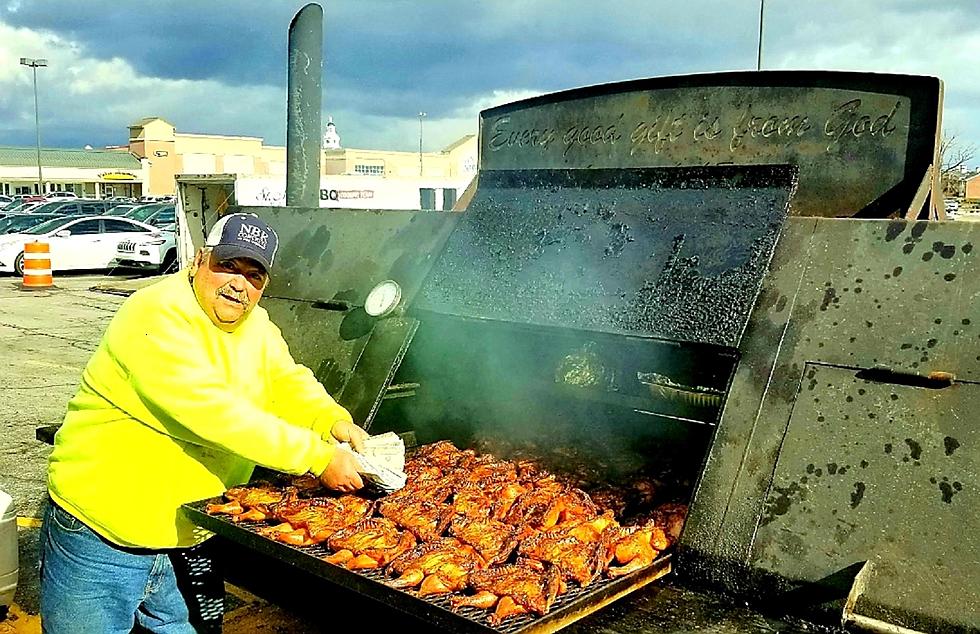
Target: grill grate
{"points": [[568, 607]]}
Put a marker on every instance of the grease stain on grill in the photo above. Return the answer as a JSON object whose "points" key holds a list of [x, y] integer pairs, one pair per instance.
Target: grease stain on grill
{"points": [[915, 449], [949, 490], [951, 445], [895, 229], [829, 295], [781, 503], [945, 251], [858, 494]]}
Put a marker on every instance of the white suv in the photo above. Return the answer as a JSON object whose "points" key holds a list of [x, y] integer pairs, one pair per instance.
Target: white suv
{"points": [[61, 196], [155, 251]]}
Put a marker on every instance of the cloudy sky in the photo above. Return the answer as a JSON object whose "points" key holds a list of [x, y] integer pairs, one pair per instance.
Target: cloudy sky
{"points": [[219, 66]]}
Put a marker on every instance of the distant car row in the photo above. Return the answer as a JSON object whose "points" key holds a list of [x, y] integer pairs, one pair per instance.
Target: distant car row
{"points": [[140, 236]]}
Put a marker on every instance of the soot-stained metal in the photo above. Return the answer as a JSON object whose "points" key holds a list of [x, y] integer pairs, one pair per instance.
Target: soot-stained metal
{"points": [[672, 253]]}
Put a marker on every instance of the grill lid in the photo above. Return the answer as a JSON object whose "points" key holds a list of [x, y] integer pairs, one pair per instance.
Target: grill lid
{"points": [[671, 253]]}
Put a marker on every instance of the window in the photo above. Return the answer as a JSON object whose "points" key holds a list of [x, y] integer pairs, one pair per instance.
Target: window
{"points": [[369, 170], [427, 197], [448, 198], [121, 226], [92, 209], [84, 228], [65, 208]]}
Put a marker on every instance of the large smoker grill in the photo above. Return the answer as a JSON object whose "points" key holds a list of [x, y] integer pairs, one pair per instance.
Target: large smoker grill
{"points": [[804, 381]]}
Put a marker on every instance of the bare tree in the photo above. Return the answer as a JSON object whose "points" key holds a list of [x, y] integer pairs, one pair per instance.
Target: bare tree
{"points": [[954, 155]]}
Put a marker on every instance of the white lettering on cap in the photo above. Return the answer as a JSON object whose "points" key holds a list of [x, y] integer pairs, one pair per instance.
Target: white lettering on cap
{"points": [[253, 235]]}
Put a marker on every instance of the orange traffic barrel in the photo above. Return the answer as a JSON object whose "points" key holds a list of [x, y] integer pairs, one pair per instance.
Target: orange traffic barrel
{"points": [[37, 265]]}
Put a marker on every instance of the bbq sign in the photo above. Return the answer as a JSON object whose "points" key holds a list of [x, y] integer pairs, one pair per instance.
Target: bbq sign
{"points": [[826, 123]]}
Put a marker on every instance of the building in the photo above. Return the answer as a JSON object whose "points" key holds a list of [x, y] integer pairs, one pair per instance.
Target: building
{"points": [[971, 187], [88, 173], [170, 153], [157, 153]]}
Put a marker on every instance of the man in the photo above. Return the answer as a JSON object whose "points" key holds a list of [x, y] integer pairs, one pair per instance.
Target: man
{"points": [[190, 388]]}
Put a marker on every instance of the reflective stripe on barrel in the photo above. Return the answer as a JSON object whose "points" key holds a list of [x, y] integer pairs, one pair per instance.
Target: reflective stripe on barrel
{"points": [[37, 264]]}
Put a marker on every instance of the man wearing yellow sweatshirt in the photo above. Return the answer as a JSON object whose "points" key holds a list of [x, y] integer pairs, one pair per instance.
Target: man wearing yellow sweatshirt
{"points": [[190, 388]]}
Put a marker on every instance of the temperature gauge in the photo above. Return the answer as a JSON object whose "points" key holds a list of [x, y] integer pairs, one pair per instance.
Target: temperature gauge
{"points": [[383, 298]]}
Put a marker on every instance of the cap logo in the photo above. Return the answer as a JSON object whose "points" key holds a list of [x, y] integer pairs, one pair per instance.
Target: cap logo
{"points": [[253, 235]]}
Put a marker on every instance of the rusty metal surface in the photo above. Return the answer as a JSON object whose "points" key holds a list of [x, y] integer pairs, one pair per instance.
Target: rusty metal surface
{"points": [[674, 253], [862, 295], [892, 480], [668, 609], [827, 123]]}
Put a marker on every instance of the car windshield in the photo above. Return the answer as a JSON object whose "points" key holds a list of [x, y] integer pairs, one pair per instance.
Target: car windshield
{"points": [[47, 226], [15, 224], [163, 216], [143, 212], [121, 210], [49, 207]]}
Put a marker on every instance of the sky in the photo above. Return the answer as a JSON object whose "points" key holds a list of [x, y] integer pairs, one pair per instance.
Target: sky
{"points": [[219, 67]]}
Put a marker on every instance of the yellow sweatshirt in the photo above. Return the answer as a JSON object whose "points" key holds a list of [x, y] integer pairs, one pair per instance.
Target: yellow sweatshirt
{"points": [[171, 410]]}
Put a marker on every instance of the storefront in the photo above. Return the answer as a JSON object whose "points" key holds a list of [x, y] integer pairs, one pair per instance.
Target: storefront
{"points": [[87, 173]]}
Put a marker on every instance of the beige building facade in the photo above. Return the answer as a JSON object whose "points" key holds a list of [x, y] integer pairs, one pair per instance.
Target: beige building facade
{"points": [[87, 173], [170, 153]]}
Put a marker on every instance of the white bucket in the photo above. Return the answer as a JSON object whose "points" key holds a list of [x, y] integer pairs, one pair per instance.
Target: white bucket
{"points": [[8, 549]]}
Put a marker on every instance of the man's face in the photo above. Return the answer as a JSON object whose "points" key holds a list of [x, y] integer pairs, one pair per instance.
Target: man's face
{"points": [[227, 290]]}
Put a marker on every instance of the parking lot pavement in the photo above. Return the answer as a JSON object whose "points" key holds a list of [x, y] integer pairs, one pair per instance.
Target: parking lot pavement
{"points": [[47, 337]]}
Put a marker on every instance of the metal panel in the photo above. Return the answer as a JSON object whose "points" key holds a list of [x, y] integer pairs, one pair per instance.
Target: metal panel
{"points": [[825, 122], [327, 263], [671, 253], [861, 294], [882, 472], [340, 255]]}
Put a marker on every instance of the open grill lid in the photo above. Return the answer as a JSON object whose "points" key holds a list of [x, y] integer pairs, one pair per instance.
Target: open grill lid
{"points": [[671, 253]]}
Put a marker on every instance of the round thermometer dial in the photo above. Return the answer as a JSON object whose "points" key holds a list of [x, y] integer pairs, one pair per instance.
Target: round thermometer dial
{"points": [[383, 298]]}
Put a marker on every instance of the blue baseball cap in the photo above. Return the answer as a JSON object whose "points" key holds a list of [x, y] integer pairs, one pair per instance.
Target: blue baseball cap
{"points": [[244, 236]]}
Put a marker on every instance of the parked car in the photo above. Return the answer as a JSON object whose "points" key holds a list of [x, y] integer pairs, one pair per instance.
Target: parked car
{"points": [[61, 195], [80, 207], [20, 201], [75, 243], [15, 223], [143, 212], [4, 199], [165, 215], [155, 252]]}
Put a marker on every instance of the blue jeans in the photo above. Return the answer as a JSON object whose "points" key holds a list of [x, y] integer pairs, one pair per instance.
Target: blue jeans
{"points": [[89, 585]]}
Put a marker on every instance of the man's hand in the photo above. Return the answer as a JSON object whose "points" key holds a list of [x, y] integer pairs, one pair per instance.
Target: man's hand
{"points": [[341, 473], [349, 432]]}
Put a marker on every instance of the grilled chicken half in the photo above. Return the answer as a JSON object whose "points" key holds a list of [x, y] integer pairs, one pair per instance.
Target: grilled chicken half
{"points": [[514, 589], [370, 543], [437, 567]]}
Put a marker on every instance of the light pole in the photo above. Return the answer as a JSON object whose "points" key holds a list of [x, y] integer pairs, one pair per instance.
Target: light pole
{"points": [[762, 11], [34, 64], [421, 116]]}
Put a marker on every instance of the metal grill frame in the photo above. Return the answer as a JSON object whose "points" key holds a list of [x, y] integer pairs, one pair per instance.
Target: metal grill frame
{"points": [[568, 607]]}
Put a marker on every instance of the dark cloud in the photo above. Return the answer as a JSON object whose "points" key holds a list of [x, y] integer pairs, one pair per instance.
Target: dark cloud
{"points": [[393, 58]]}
